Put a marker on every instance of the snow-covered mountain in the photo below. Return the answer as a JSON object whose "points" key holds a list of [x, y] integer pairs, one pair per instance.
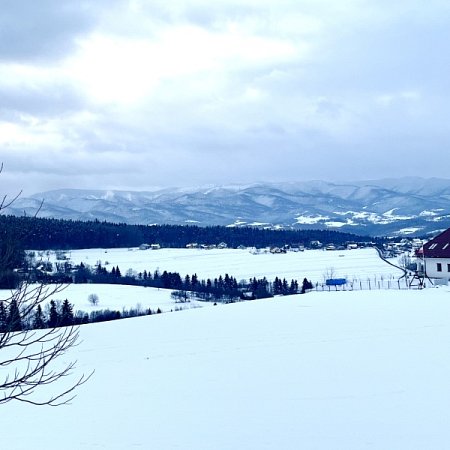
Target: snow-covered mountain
{"points": [[404, 206]]}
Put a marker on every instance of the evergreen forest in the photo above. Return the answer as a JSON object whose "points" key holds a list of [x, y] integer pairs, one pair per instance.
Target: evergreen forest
{"points": [[58, 234]]}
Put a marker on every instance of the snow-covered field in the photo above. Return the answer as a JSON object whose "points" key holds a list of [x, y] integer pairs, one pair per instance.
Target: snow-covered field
{"points": [[118, 298], [325, 371], [242, 264], [313, 264]]}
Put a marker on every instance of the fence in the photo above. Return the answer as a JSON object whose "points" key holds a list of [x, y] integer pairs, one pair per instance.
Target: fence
{"points": [[376, 283]]}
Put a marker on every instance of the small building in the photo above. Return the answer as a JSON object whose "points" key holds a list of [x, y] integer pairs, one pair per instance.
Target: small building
{"points": [[277, 250], [336, 281], [433, 258], [144, 247]]}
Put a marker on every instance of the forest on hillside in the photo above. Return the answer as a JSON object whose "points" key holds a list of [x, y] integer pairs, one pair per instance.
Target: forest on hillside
{"points": [[53, 234]]}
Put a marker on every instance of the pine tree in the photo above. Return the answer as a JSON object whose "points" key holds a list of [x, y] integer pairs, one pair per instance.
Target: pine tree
{"points": [[187, 282], [306, 285], [293, 287], [53, 319], [3, 318], [277, 286], [14, 321], [66, 314], [38, 320], [284, 288]]}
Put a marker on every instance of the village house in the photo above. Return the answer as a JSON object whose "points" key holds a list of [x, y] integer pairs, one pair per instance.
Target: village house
{"points": [[149, 246], [433, 258]]}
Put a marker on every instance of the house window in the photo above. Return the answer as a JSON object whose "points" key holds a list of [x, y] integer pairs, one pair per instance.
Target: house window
{"points": [[439, 267], [432, 246], [448, 267]]}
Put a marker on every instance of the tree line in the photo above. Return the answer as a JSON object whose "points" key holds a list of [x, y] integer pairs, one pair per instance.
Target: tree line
{"points": [[224, 287], [57, 314], [52, 234]]}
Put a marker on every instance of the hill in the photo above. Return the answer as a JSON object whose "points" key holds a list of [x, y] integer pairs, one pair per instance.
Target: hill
{"points": [[404, 206], [44, 234], [324, 370]]}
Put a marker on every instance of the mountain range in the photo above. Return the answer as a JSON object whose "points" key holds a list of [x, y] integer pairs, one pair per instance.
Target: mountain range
{"points": [[409, 206]]}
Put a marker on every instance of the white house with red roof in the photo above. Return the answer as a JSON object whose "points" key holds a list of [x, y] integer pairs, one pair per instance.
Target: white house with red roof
{"points": [[433, 259]]}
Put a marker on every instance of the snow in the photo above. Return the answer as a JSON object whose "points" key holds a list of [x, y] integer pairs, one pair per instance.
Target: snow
{"points": [[315, 265], [324, 371], [369, 216], [432, 213], [118, 298], [410, 230], [384, 219], [393, 217], [310, 220], [265, 200], [237, 223], [336, 224], [242, 264], [338, 370]]}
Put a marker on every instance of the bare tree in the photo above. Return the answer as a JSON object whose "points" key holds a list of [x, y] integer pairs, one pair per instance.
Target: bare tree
{"points": [[30, 359], [406, 262], [329, 273], [93, 299]]}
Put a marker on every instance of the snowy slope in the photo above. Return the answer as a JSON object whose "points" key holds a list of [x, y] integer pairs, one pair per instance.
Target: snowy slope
{"points": [[315, 265], [120, 297], [322, 371]]}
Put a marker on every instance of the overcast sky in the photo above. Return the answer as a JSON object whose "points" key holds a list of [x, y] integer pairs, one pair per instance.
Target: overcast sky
{"points": [[116, 94]]}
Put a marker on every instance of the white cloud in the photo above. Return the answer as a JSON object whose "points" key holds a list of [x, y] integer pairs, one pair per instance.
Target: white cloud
{"points": [[404, 96], [272, 86], [117, 69]]}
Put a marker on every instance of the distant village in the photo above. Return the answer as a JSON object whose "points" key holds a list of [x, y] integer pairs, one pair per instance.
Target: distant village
{"points": [[390, 250], [314, 245]]}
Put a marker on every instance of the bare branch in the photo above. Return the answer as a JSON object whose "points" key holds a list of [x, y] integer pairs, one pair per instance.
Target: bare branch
{"points": [[30, 360]]}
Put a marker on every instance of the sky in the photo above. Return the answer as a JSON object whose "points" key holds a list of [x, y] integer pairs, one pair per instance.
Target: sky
{"points": [[133, 94]]}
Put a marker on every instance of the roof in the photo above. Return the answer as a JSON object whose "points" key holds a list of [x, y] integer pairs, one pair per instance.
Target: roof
{"points": [[439, 247]]}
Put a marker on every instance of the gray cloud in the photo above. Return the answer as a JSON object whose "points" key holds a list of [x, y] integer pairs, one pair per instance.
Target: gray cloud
{"points": [[136, 94], [40, 102], [41, 30]]}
